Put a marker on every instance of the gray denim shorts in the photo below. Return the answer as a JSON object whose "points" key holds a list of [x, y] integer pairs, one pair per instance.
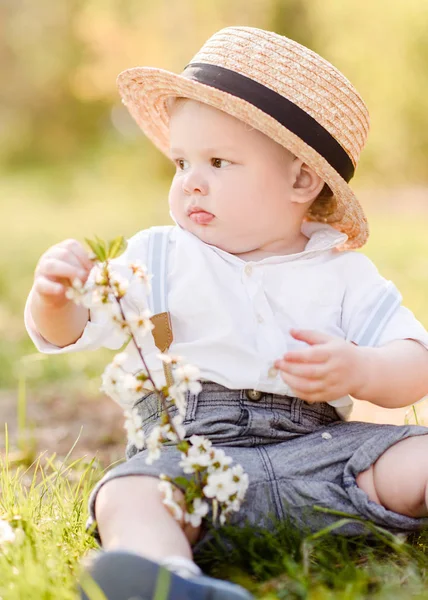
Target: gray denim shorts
{"points": [[297, 455]]}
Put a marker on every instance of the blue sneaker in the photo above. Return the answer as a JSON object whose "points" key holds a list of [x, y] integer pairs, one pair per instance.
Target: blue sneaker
{"points": [[125, 576]]}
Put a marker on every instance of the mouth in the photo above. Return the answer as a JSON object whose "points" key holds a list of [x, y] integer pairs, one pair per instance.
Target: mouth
{"points": [[199, 216]]}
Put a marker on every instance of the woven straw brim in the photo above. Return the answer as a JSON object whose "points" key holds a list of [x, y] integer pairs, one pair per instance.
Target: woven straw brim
{"points": [[145, 91]]}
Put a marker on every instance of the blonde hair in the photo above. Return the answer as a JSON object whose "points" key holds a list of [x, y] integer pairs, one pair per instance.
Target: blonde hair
{"points": [[324, 206]]}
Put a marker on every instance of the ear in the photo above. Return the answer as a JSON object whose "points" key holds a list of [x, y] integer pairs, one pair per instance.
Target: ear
{"points": [[306, 183]]}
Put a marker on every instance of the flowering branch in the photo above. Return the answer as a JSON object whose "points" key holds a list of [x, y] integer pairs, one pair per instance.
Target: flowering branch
{"points": [[214, 481]]}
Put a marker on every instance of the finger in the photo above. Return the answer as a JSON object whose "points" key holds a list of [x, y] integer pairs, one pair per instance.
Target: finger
{"points": [[310, 336], [302, 386], [79, 251], [64, 255], [313, 354], [52, 268], [314, 398], [310, 397], [46, 287], [305, 371]]}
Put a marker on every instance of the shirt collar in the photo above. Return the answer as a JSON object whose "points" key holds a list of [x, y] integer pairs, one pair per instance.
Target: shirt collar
{"points": [[322, 237]]}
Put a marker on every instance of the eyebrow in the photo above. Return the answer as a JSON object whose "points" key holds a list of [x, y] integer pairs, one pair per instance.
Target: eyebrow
{"points": [[205, 150]]}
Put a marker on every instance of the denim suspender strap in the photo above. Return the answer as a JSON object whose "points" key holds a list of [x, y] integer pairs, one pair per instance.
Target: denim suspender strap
{"points": [[388, 302], [157, 265]]}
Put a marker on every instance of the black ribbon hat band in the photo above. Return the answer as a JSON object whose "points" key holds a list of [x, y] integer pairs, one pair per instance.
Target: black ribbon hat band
{"points": [[281, 109]]}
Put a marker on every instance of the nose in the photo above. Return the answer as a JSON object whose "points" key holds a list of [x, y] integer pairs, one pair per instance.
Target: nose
{"points": [[195, 183]]}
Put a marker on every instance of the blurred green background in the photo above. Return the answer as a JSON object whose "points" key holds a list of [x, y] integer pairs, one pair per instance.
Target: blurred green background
{"points": [[73, 163]]}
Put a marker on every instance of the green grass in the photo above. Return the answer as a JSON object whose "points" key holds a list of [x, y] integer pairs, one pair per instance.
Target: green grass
{"points": [[47, 503]]}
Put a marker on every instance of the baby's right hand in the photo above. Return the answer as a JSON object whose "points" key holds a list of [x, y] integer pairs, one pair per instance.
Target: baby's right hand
{"points": [[56, 270]]}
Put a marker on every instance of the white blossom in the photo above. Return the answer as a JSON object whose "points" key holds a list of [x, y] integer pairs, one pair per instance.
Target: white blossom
{"points": [[140, 324], [200, 509], [166, 489], [229, 507], [133, 424], [90, 294], [241, 479], [219, 461], [201, 443], [194, 459], [139, 270], [99, 276], [187, 379], [170, 359], [112, 383], [98, 298], [198, 455], [167, 492], [132, 387], [78, 292], [76, 286], [179, 398], [169, 432], [220, 485], [7, 535], [120, 359], [154, 444], [118, 284], [120, 322]]}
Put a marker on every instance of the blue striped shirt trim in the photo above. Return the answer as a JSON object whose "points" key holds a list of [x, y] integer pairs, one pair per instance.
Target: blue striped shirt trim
{"points": [[387, 304], [157, 265]]}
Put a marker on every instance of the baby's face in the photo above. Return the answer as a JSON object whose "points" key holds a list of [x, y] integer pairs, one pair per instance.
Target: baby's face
{"points": [[232, 184]]}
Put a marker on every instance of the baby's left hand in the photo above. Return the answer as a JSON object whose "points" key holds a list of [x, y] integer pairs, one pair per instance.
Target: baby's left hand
{"points": [[327, 369]]}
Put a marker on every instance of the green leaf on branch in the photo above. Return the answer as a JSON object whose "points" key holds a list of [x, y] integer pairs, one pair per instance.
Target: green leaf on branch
{"points": [[193, 491], [183, 446], [107, 250], [182, 482], [103, 247], [98, 248], [116, 247]]}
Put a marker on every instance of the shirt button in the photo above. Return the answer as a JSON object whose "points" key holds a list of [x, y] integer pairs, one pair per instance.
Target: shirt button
{"points": [[272, 373], [260, 319], [248, 270]]}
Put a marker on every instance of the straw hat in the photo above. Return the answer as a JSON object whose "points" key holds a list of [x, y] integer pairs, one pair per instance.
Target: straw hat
{"points": [[277, 86]]}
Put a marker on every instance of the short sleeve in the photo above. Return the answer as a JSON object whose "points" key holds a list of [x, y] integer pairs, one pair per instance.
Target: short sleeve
{"points": [[99, 331], [372, 313]]}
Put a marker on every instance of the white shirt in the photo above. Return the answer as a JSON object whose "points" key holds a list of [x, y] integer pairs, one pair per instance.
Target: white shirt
{"points": [[231, 317]]}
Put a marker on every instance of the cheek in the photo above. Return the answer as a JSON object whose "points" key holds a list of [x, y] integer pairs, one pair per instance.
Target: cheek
{"points": [[242, 194]]}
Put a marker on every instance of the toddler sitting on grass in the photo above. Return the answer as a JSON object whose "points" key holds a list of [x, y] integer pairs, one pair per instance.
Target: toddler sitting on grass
{"points": [[268, 298]]}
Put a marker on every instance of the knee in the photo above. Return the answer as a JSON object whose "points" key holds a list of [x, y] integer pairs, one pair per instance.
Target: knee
{"points": [[125, 499], [398, 480], [366, 482], [122, 494]]}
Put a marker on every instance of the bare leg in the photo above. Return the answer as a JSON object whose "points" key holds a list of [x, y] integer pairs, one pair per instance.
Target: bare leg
{"points": [[132, 520], [131, 516], [398, 480]]}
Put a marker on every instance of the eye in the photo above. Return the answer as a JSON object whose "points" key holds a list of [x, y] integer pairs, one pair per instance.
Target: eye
{"points": [[181, 164], [218, 163]]}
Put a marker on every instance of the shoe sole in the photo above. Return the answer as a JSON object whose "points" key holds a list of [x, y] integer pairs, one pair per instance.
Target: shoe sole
{"points": [[126, 576]]}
